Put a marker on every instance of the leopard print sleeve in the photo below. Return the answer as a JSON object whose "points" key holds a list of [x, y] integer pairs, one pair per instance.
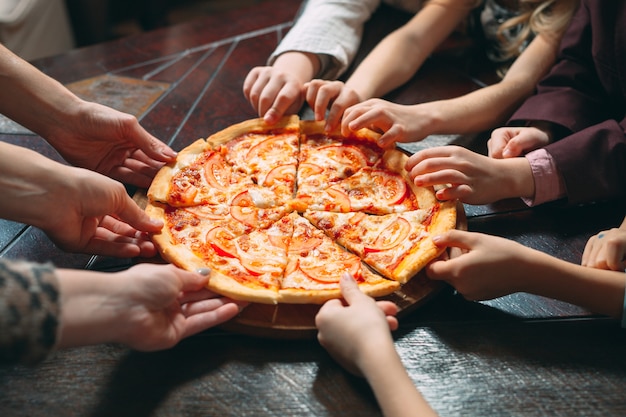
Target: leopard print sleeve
{"points": [[29, 311]]}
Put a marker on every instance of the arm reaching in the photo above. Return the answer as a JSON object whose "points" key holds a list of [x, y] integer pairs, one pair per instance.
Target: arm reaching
{"points": [[357, 335], [147, 307], [88, 135], [493, 267], [472, 178], [80, 210]]}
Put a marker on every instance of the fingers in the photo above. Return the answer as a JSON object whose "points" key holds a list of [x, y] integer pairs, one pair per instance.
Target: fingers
{"points": [[457, 238], [273, 93], [210, 318], [150, 145], [107, 243], [349, 289], [129, 212]]}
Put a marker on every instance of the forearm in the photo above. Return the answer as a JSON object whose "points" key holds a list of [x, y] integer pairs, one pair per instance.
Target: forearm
{"points": [[88, 308], [302, 65], [37, 101], [478, 111], [29, 182], [398, 57], [394, 390], [599, 290]]}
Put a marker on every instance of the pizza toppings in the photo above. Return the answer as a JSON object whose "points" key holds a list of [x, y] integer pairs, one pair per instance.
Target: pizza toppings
{"points": [[279, 213]]}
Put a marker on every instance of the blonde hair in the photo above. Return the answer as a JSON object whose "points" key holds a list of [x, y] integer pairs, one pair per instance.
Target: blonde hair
{"points": [[546, 17]]}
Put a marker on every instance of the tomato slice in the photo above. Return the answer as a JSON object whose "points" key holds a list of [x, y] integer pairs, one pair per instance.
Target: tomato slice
{"points": [[216, 172], [220, 240], [340, 201], [284, 173], [279, 241], [304, 244], [306, 169], [350, 156], [269, 145], [246, 215], [331, 272], [391, 237], [243, 199], [393, 189], [258, 262]]}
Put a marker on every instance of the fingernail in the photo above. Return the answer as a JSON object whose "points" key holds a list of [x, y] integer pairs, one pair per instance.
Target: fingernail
{"points": [[204, 271], [156, 222], [436, 238], [170, 153]]}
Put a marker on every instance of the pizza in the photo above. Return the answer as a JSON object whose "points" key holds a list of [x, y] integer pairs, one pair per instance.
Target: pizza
{"points": [[279, 213]]}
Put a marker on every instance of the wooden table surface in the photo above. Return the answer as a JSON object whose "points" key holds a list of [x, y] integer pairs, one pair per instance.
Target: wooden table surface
{"points": [[519, 355]]}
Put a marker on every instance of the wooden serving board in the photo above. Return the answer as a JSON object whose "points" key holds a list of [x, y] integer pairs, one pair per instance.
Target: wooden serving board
{"points": [[297, 321]]}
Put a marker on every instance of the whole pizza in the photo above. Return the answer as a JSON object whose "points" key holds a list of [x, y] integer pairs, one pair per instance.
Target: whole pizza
{"points": [[279, 212]]}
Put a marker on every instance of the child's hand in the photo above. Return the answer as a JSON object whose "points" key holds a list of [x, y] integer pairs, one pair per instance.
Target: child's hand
{"points": [[322, 95], [490, 266], [399, 123], [509, 142], [273, 93], [606, 250], [472, 178], [350, 332]]}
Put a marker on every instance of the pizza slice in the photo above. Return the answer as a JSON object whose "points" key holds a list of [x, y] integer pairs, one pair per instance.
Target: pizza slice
{"points": [[267, 155], [315, 265], [326, 158], [200, 175], [398, 245], [246, 263]]}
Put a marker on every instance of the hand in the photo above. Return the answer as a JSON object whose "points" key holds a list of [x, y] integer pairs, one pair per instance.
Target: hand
{"points": [[273, 92], [147, 307], [606, 250], [94, 214], [322, 94], [346, 331], [399, 123], [472, 178], [509, 142], [490, 266], [112, 143]]}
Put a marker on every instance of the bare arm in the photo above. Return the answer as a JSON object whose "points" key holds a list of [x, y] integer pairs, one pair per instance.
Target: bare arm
{"points": [[397, 57], [86, 134], [356, 333], [491, 106], [147, 307], [493, 267]]}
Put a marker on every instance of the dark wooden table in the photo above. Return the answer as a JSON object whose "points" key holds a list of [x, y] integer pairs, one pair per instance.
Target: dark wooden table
{"points": [[518, 355]]}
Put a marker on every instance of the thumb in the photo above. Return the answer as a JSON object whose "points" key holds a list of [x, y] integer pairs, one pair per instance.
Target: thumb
{"points": [[455, 238], [518, 145], [130, 213]]}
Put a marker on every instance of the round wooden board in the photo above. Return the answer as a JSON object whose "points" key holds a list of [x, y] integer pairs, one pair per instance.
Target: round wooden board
{"points": [[297, 321]]}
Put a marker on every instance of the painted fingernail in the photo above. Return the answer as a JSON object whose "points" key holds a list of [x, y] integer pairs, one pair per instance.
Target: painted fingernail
{"points": [[204, 271], [601, 235]]}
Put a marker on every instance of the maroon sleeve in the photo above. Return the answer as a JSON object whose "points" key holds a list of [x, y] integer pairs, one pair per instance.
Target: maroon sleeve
{"points": [[585, 95]]}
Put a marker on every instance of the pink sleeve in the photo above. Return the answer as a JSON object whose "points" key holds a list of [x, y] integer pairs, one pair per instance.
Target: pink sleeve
{"points": [[549, 185]]}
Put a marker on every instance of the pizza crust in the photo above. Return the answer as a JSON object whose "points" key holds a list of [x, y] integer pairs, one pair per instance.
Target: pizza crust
{"points": [[254, 125], [160, 187]]}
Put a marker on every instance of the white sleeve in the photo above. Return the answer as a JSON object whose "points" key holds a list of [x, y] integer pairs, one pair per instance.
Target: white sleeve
{"points": [[329, 27]]}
